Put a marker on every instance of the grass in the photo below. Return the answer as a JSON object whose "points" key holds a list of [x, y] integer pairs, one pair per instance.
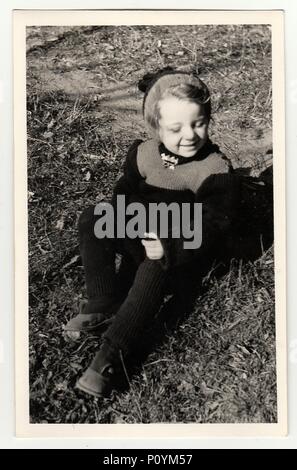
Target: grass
{"points": [[218, 364]]}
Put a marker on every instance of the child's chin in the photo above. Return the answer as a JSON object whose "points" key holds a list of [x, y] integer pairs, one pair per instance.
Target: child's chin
{"points": [[189, 152]]}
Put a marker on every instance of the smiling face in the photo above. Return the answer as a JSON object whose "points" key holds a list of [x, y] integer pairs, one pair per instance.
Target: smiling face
{"points": [[183, 126]]}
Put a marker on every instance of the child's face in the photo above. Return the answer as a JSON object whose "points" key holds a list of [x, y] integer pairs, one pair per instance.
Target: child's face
{"points": [[183, 126]]}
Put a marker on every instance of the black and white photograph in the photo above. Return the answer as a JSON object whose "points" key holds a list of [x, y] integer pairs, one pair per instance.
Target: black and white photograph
{"points": [[151, 221]]}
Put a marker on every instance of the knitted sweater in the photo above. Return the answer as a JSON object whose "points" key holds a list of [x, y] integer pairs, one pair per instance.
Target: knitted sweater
{"points": [[186, 174], [205, 178]]}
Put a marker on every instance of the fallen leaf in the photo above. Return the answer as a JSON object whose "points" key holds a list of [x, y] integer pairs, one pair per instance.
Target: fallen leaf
{"points": [[120, 420], [75, 366], [62, 386], [92, 156], [185, 387], [48, 135], [243, 349], [60, 224]]}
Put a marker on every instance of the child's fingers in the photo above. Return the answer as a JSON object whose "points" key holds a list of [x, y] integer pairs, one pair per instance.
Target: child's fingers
{"points": [[150, 235], [154, 252], [154, 255], [153, 248], [157, 256], [150, 243]]}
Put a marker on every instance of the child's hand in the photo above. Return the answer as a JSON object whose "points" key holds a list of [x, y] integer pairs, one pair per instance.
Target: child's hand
{"points": [[153, 247]]}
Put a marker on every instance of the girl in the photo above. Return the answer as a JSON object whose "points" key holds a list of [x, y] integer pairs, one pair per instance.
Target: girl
{"points": [[179, 164]]}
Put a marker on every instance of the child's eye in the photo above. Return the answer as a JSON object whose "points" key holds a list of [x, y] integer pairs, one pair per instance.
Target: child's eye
{"points": [[175, 129], [200, 124]]}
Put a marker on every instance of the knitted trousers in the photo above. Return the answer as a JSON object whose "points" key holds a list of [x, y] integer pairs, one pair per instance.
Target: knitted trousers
{"points": [[140, 287]]}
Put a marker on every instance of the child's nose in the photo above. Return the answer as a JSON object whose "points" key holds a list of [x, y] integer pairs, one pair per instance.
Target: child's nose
{"points": [[189, 133]]}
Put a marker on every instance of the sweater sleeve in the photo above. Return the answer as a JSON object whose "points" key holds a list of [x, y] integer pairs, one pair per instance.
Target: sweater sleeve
{"points": [[129, 181], [219, 195]]}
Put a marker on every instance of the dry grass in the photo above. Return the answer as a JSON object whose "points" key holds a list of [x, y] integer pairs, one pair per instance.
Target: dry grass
{"points": [[219, 365]]}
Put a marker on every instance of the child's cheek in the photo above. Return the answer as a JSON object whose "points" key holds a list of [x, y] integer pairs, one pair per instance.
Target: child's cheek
{"points": [[161, 133]]}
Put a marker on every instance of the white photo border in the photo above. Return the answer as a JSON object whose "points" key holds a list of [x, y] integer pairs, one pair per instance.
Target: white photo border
{"points": [[23, 18]]}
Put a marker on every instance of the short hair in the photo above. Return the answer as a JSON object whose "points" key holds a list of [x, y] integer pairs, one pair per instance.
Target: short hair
{"points": [[186, 92]]}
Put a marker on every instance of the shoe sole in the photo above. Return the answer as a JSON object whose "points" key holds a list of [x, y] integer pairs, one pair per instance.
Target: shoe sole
{"points": [[88, 329]]}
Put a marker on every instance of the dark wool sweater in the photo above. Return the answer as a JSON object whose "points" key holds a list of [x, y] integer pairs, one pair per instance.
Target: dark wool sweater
{"points": [[147, 178], [206, 178]]}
